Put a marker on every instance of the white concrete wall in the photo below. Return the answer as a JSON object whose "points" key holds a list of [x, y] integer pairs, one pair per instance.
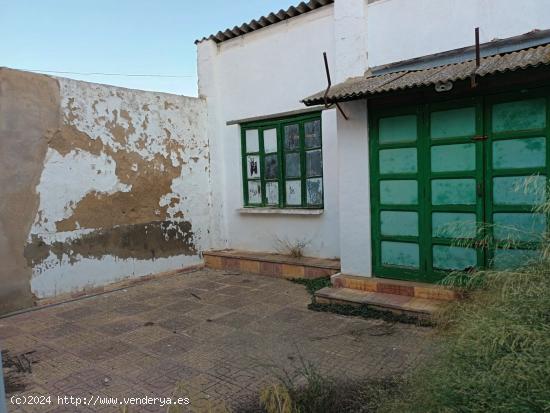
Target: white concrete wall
{"points": [[122, 164], [405, 29], [354, 195], [264, 73]]}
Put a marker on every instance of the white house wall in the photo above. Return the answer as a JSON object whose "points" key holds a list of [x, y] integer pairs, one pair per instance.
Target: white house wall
{"points": [[405, 29], [263, 73]]}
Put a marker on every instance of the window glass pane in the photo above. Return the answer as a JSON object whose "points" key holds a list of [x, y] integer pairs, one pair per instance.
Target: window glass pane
{"points": [[453, 225], [399, 223], [312, 134], [517, 226], [252, 142], [454, 258], [519, 153], [270, 140], [253, 166], [294, 192], [254, 192], [404, 192], [453, 158], [272, 193], [398, 161], [397, 129], [271, 166], [292, 137], [453, 192], [402, 254], [314, 163], [453, 123], [292, 165], [314, 187], [519, 190], [519, 115]]}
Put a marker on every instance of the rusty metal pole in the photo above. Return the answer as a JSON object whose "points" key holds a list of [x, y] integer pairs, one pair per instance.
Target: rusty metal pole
{"points": [[3, 403], [478, 59]]}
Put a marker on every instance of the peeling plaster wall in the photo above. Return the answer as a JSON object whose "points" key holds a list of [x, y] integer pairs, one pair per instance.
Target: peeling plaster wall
{"points": [[122, 184], [29, 111]]}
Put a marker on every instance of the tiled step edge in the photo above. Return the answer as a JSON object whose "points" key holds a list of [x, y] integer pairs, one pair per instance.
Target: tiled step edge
{"points": [[267, 268], [387, 286], [399, 304]]}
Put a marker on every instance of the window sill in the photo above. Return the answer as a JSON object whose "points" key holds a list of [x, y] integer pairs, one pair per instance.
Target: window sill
{"points": [[280, 211]]}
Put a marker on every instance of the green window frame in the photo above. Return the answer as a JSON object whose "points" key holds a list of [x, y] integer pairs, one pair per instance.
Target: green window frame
{"points": [[282, 162]]}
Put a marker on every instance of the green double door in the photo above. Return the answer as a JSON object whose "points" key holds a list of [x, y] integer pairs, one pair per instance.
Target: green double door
{"points": [[454, 185]]}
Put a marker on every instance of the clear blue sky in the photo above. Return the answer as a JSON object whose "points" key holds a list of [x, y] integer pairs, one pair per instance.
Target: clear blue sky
{"points": [[119, 36]]}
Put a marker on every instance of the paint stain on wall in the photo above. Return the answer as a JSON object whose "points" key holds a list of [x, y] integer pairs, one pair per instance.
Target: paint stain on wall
{"points": [[141, 241]]}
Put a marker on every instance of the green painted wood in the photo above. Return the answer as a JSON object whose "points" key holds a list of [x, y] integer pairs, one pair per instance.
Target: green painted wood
{"points": [[456, 183]]}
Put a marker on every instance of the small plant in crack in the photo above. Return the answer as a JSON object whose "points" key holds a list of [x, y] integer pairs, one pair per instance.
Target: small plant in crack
{"points": [[291, 247]]}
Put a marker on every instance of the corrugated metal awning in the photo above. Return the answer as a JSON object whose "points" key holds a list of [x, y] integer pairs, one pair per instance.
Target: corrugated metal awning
{"points": [[361, 87], [265, 21]]}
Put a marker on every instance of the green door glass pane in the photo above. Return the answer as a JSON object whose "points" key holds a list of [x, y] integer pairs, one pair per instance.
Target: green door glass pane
{"points": [[454, 158], [401, 254], [292, 137], [454, 258], [519, 115], [510, 259], [453, 123], [314, 163], [454, 225], [454, 192], [272, 193], [399, 223], [312, 132], [519, 153], [399, 192], [292, 165], [252, 141], [519, 190], [515, 226], [314, 191], [398, 161], [397, 129]]}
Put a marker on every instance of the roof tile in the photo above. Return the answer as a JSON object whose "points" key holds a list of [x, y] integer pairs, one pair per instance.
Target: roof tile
{"points": [[360, 87], [271, 18]]}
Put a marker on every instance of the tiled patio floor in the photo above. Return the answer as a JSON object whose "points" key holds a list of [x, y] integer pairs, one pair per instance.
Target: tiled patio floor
{"points": [[219, 334]]}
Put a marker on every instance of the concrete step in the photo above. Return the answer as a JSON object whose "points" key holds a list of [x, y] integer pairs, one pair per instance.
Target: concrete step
{"points": [[395, 303], [270, 264], [395, 287]]}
